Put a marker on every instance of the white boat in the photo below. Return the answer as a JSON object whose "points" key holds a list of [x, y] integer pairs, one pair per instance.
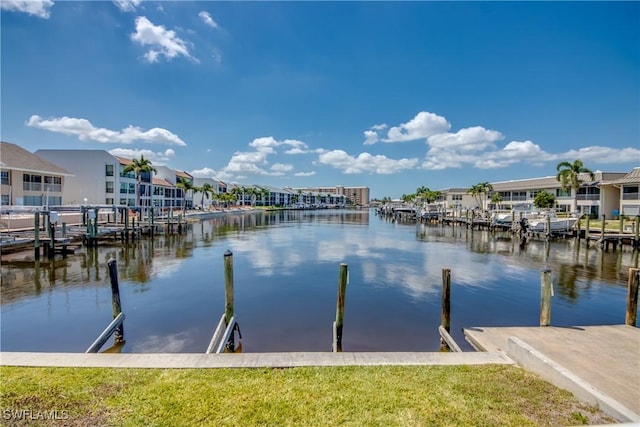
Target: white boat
{"points": [[429, 211], [523, 210], [554, 224]]}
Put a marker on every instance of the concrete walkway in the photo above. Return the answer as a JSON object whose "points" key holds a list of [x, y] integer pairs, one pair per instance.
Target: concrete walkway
{"points": [[247, 360], [598, 364]]}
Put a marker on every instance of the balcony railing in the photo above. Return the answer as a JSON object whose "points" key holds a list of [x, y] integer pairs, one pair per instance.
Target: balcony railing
{"points": [[588, 197], [32, 186], [630, 196]]}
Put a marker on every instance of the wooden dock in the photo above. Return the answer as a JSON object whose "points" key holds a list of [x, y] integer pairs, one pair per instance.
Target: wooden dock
{"points": [[605, 358]]}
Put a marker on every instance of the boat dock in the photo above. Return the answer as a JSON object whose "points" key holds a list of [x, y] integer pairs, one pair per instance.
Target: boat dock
{"points": [[599, 364]]}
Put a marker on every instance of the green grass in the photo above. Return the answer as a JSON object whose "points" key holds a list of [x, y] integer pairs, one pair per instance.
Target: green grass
{"points": [[353, 396]]}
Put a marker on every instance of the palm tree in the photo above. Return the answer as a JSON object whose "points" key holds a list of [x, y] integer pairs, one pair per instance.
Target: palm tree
{"points": [[184, 185], [569, 177], [139, 167], [206, 190], [480, 189], [264, 193], [496, 199]]}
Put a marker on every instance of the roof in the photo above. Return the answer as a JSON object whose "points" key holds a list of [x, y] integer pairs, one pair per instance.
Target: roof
{"points": [[632, 177], [123, 160], [161, 182], [17, 158], [183, 174]]}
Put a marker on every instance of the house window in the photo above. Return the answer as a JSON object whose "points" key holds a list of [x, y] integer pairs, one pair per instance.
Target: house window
{"points": [[4, 177], [5, 199], [53, 183], [108, 201], [109, 187], [31, 183], [108, 170], [456, 197], [563, 193]]}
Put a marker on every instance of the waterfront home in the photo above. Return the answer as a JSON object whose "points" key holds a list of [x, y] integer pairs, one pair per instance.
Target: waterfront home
{"points": [[629, 186], [30, 180]]}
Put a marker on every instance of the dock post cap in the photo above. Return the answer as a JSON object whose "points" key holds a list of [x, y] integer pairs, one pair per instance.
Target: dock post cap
{"points": [[228, 253], [111, 261]]}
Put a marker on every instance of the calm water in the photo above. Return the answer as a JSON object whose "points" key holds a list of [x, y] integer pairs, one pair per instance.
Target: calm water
{"points": [[286, 275]]}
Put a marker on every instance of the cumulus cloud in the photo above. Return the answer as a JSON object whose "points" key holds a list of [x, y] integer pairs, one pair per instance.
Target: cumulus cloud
{"points": [[210, 173], [159, 158], [39, 8], [365, 162], [207, 19], [423, 125], [370, 137], [470, 139], [605, 155], [161, 42], [127, 5], [281, 167], [269, 144], [84, 130]]}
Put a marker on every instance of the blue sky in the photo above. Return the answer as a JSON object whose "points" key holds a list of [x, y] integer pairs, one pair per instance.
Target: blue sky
{"points": [[389, 95]]}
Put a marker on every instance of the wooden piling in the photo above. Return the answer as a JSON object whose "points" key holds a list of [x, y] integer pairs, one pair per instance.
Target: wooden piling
{"points": [[637, 235], [620, 223], [228, 294], [115, 299], [547, 226], [545, 297], [36, 230], [586, 231], [338, 325], [445, 317], [632, 297], [578, 232], [52, 239], [602, 239]]}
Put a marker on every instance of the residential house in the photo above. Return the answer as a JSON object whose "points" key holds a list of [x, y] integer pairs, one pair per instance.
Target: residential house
{"points": [[27, 179]]}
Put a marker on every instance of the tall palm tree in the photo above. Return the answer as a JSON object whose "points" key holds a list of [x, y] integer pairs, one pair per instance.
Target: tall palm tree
{"points": [[184, 185], [264, 194], [207, 191], [139, 167], [479, 190], [569, 177]]}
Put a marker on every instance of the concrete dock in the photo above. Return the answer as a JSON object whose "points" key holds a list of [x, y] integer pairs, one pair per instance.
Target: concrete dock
{"points": [[599, 364]]}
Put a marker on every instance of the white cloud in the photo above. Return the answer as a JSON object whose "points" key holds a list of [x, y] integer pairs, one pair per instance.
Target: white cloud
{"points": [[423, 125], [470, 139], [269, 143], [281, 167], [296, 151], [365, 162], [604, 155], [207, 19], [370, 137], [39, 8], [304, 173], [210, 173], [379, 127], [127, 5], [159, 158], [160, 41], [84, 130]]}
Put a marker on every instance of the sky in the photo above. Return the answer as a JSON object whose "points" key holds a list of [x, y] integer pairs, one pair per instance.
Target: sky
{"points": [[388, 95]]}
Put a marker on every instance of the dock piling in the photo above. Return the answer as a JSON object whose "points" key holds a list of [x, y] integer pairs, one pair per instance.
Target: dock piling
{"points": [[228, 294], [115, 298], [546, 292], [36, 230], [632, 297], [338, 324]]}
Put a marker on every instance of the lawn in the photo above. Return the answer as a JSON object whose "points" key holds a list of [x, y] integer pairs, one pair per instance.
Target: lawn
{"points": [[491, 395]]}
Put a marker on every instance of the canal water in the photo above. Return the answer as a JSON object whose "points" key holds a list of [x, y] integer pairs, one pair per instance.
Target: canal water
{"points": [[286, 267]]}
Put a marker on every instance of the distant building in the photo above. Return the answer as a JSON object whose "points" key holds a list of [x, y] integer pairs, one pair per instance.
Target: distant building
{"points": [[27, 179], [358, 196]]}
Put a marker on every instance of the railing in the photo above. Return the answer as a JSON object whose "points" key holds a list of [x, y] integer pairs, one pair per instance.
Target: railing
{"points": [[588, 197], [32, 186], [630, 196]]}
